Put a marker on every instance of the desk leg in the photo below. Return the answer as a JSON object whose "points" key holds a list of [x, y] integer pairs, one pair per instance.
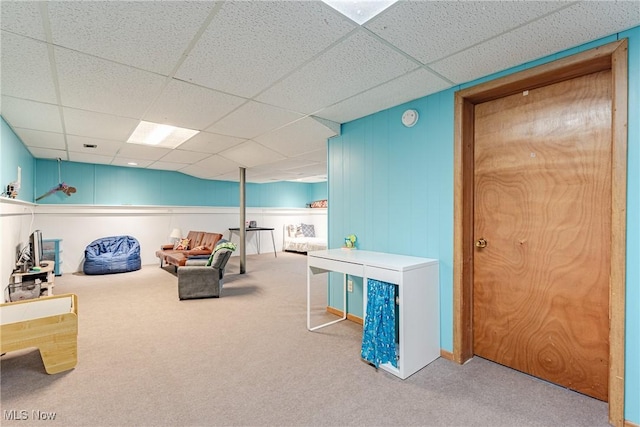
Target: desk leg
{"points": [[274, 244], [344, 312], [258, 240]]}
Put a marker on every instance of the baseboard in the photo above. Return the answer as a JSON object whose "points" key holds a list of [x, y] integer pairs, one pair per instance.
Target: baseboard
{"points": [[628, 423], [351, 317], [446, 355]]}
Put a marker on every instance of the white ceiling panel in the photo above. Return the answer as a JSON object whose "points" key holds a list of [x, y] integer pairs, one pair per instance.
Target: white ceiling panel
{"points": [[319, 169], [532, 42], [212, 143], [319, 156], [90, 158], [256, 43], [431, 30], [285, 164], [300, 137], [199, 172], [98, 125], [25, 68], [190, 106], [251, 154], [253, 119], [20, 113], [416, 84], [144, 34], [183, 157], [38, 138], [255, 77], [91, 83], [169, 166], [137, 151], [104, 147], [47, 153], [22, 17], [356, 64], [216, 165], [128, 162]]}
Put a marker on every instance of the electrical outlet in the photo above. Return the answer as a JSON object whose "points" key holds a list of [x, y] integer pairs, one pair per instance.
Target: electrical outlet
{"points": [[350, 285]]}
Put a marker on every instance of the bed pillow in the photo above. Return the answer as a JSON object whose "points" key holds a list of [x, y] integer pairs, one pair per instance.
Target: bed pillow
{"points": [[308, 230]]}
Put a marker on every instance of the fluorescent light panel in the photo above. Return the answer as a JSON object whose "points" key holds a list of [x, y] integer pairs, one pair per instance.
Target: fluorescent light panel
{"points": [[360, 11], [159, 135]]}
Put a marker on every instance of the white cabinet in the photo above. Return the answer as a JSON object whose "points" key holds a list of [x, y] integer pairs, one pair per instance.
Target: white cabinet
{"points": [[418, 294]]}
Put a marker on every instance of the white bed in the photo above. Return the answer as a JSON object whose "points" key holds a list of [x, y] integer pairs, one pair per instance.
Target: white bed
{"points": [[302, 238]]}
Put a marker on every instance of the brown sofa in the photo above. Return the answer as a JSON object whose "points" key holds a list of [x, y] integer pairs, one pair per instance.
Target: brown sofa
{"points": [[200, 243]]}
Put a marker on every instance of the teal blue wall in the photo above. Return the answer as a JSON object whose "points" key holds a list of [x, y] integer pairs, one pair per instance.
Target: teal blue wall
{"points": [[115, 185], [13, 153], [318, 191], [393, 187]]}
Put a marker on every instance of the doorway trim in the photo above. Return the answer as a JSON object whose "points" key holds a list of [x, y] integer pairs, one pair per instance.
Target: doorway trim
{"points": [[612, 56]]}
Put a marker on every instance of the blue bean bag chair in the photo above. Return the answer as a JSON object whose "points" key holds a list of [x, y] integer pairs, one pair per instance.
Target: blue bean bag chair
{"points": [[117, 254]]}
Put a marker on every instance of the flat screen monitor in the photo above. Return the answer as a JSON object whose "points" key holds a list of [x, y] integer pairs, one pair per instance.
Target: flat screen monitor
{"points": [[35, 246]]}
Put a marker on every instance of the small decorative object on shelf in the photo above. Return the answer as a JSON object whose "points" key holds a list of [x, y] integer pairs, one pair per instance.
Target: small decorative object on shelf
{"points": [[350, 241]]}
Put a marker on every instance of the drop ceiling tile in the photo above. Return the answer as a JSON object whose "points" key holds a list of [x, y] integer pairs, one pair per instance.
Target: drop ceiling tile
{"points": [[90, 158], [47, 153], [561, 30], [98, 125], [183, 157], [25, 69], [286, 164], [22, 17], [166, 166], [250, 154], [212, 143], [253, 119], [303, 136], [199, 171], [40, 139], [21, 113], [147, 35], [142, 152], [124, 161], [431, 30], [216, 165], [411, 86], [318, 156], [315, 169], [190, 106], [95, 84], [104, 147], [356, 64], [250, 45]]}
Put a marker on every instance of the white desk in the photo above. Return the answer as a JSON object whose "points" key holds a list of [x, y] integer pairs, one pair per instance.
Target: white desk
{"points": [[418, 294]]}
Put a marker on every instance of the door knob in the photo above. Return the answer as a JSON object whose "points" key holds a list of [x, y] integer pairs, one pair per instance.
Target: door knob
{"points": [[481, 243]]}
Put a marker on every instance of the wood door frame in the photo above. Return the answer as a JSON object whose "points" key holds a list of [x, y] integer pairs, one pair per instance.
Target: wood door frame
{"points": [[612, 56]]}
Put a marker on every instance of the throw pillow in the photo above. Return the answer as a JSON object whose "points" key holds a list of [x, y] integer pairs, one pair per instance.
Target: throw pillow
{"points": [[182, 244], [308, 230]]}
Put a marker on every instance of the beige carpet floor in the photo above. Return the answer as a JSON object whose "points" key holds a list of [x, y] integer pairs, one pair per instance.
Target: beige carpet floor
{"points": [[247, 359]]}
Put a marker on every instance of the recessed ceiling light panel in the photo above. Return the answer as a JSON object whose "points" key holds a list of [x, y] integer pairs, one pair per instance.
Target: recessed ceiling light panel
{"points": [[360, 11], [159, 135]]}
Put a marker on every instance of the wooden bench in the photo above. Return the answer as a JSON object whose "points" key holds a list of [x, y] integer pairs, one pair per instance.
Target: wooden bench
{"points": [[47, 323]]}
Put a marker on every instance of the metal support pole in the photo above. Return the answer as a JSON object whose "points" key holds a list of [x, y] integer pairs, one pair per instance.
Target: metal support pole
{"points": [[243, 230]]}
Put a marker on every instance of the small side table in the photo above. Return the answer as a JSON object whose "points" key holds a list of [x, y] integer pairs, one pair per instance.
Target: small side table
{"points": [[257, 229], [45, 275]]}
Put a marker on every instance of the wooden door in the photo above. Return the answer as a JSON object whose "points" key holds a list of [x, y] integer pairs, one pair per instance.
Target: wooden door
{"points": [[542, 202]]}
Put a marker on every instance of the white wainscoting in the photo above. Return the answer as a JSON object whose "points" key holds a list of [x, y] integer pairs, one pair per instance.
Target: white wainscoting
{"points": [[78, 226]]}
